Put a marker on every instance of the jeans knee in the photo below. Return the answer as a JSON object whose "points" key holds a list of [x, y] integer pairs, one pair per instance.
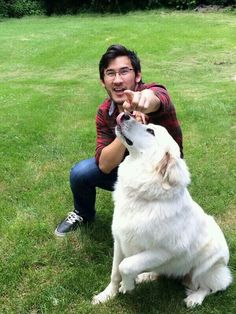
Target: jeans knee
{"points": [[87, 174], [82, 172], [76, 175]]}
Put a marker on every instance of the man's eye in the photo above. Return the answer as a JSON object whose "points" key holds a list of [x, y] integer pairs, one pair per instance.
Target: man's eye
{"points": [[151, 131], [110, 73], [124, 71]]}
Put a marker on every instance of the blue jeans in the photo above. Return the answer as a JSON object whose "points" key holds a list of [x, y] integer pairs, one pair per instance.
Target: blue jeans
{"points": [[85, 176]]}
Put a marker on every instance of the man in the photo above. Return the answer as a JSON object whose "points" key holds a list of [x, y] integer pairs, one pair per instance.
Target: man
{"points": [[120, 75]]}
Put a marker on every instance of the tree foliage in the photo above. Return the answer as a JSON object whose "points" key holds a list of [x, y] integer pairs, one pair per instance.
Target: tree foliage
{"points": [[19, 8]]}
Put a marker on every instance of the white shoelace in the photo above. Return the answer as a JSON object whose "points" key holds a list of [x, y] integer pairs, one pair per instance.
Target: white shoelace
{"points": [[73, 217]]}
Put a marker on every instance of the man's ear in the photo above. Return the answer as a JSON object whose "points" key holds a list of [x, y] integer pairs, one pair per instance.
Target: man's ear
{"points": [[138, 77], [102, 83]]}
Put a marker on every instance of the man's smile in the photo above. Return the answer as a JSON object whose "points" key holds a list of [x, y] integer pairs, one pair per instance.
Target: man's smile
{"points": [[119, 90]]}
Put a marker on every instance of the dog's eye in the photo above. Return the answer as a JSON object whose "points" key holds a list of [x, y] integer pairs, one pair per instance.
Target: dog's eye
{"points": [[151, 131]]}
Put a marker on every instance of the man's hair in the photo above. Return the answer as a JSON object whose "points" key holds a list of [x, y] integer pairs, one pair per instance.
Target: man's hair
{"points": [[115, 51]]}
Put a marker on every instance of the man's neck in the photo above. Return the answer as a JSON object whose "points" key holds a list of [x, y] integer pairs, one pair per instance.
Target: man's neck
{"points": [[120, 108]]}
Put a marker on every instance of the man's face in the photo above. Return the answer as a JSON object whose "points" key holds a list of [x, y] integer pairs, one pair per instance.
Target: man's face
{"points": [[118, 77]]}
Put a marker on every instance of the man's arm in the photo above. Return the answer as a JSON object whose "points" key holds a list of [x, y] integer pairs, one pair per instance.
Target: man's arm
{"points": [[145, 101], [111, 156], [109, 149]]}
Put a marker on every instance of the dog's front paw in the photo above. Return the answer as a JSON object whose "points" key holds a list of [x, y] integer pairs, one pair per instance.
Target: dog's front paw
{"points": [[146, 277], [109, 293], [126, 287], [100, 298]]}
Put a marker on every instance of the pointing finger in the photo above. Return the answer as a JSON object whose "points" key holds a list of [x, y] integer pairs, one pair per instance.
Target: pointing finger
{"points": [[129, 95], [127, 106]]}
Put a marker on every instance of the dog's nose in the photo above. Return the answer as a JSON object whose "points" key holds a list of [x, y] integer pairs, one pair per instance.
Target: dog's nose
{"points": [[126, 116], [122, 116]]}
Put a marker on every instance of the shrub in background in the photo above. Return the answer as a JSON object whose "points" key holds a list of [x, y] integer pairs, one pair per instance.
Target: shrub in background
{"points": [[218, 2], [182, 4], [3, 8], [19, 8]]}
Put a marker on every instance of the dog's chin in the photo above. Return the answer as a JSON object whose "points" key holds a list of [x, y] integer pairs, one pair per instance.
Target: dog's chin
{"points": [[122, 136]]}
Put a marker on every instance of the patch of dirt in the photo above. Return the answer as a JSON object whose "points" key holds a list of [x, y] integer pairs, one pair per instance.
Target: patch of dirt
{"points": [[202, 8], [228, 219], [222, 63]]}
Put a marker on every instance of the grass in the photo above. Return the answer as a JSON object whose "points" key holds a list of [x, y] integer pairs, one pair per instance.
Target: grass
{"points": [[49, 93]]}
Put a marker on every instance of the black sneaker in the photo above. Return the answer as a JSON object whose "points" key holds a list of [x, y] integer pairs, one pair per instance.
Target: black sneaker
{"points": [[71, 223]]}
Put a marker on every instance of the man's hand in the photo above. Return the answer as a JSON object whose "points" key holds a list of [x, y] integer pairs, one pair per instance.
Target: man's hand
{"points": [[140, 117], [145, 101]]}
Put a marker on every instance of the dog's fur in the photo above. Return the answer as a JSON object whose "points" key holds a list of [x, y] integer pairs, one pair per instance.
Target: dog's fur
{"points": [[157, 227]]}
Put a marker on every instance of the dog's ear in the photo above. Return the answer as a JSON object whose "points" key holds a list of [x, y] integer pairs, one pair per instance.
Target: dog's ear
{"points": [[173, 171]]}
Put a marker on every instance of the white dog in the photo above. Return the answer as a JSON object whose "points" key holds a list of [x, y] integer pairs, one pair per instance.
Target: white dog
{"points": [[157, 227]]}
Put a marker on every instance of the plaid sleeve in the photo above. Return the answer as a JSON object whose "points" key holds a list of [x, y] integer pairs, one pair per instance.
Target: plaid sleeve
{"points": [[161, 92], [104, 133], [166, 114]]}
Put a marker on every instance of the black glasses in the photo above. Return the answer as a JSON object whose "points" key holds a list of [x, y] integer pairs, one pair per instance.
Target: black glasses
{"points": [[111, 74]]}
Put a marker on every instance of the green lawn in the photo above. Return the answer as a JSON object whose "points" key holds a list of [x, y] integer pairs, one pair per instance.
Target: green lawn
{"points": [[49, 92]]}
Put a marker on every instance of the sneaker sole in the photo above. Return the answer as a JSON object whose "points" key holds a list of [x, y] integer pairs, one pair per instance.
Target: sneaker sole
{"points": [[59, 234]]}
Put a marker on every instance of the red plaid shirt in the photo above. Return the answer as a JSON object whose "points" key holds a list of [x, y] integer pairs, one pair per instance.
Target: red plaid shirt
{"points": [[165, 116]]}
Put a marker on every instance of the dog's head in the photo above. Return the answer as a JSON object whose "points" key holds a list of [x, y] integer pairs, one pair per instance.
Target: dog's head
{"points": [[154, 144]]}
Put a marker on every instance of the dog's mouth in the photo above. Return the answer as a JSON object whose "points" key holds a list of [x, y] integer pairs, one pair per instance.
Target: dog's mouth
{"points": [[120, 119], [128, 141], [119, 130]]}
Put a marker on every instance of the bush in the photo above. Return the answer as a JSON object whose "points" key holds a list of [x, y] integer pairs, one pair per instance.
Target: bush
{"points": [[122, 6], [182, 4], [217, 2], [3, 8], [19, 8], [119, 6]]}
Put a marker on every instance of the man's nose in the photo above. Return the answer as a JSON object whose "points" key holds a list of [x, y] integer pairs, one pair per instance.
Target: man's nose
{"points": [[117, 78]]}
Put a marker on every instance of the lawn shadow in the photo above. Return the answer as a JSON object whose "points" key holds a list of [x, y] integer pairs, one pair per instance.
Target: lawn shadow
{"points": [[155, 297]]}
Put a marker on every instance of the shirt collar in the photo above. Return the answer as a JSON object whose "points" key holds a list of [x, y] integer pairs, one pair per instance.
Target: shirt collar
{"points": [[112, 108]]}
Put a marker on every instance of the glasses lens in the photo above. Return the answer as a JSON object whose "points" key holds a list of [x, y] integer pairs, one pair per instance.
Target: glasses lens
{"points": [[121, 72], [110, 73], [124, 71]]}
